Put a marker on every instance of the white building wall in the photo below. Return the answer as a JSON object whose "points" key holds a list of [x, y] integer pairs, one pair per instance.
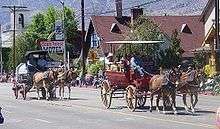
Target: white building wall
{"points": [[18, 26], [210, 21]]}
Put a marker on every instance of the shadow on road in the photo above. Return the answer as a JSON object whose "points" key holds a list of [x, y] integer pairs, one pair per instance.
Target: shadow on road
{"points": [[55, 99], [181, 110]]}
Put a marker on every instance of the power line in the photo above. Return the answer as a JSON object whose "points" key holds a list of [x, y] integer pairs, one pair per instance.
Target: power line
{"points": [[124, 9]]}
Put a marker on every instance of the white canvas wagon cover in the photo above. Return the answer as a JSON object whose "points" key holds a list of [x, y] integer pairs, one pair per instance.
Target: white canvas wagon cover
{"points": [[21, 69]]}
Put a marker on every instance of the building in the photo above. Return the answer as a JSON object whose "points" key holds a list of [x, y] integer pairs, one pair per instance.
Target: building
{"points": [[114, 28], [7, 29], [208, 19]]}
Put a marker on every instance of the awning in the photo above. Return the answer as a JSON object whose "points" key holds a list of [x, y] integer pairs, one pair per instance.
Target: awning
{"points": [[134, 42]]}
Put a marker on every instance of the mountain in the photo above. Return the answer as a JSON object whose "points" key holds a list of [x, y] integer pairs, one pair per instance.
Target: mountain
{"points": [[100, 7]]}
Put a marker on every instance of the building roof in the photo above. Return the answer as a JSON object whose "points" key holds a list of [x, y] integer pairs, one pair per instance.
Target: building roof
{"points": [[167, 24], [102, 26], [189, 41]]}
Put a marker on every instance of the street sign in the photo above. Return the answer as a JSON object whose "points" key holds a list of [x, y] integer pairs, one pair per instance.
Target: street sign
{"points": [[52, 46], [59, 30]]}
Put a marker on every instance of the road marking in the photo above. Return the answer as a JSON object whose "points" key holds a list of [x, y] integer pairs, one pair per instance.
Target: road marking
{"points": [[45, 121], [140, 116]]}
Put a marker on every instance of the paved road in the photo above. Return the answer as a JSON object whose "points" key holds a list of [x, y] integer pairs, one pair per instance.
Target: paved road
{"points": [[85, 111]]}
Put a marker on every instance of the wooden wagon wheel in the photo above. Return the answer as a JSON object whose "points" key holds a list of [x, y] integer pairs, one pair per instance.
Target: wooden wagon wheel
{"points": [[106, 94], [141, 101], [131, 98]]}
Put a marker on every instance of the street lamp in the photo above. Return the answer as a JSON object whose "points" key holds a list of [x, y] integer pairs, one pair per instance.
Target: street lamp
{"points": [[64, 35]]}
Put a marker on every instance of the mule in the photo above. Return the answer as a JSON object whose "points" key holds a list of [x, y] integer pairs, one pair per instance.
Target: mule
{"points": [[161, 85], [65, 79], [45, 80], [185, 88]]}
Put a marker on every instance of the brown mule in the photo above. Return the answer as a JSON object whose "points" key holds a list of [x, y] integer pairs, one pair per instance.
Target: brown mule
{"points": [[65, 78], [161, 86], [44, 79], [185, 88]]}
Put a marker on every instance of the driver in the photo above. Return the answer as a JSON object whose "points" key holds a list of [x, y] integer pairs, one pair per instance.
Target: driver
{"points": [[136, 64], [42, 62]]}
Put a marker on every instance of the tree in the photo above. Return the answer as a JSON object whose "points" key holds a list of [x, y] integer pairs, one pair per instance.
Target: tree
{"points": [[171, 57], [200, 59], [143, 30], [41, 26]]}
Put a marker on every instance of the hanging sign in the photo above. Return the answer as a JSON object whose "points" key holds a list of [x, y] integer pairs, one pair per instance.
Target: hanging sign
{"points": [[52, 46]]}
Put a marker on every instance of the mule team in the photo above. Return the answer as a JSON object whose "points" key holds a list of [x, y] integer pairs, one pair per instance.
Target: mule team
{"points": [[53, 78], [165, 86]]}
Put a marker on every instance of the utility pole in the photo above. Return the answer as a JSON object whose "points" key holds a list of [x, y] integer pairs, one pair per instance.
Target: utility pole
{"points": [[64, 35], [13, 9], [1, 52], [83, 38]]}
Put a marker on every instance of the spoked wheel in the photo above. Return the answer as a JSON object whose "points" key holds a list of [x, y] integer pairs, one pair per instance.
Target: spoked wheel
{"points": [[141, 101], [131, 98], [106, 94]]}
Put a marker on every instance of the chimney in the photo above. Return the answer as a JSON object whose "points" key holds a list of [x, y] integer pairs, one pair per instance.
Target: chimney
{"points": [[135, 13], [118, 4]]}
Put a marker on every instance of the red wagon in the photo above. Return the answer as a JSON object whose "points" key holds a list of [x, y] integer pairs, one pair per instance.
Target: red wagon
{"points": [[116, 84]]}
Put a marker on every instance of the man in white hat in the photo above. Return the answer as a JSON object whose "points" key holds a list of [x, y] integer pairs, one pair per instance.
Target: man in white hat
{"points": [[191, 74]]}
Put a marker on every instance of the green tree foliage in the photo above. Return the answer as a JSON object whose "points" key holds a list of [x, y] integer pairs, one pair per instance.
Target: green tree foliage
{"points": [[93, 69], [5, 57], [41, 27], [171, 57], [142, 30], [200, 59]]}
